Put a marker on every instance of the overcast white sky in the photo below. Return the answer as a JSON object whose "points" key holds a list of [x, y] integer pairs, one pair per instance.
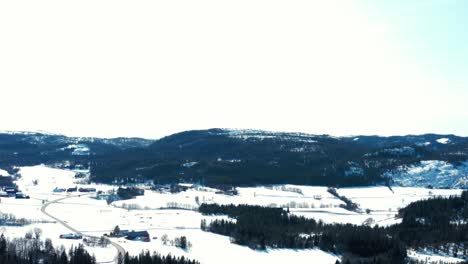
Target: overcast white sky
{"points": [[151, 68]]}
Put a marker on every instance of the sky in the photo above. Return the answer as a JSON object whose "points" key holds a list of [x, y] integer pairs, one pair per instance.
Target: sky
{"points": [[111, 68]]}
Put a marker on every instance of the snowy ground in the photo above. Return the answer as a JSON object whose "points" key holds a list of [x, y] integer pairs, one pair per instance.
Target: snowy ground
{"points": [[384, 203], [4, 173], [430, 257], [96, 217]]}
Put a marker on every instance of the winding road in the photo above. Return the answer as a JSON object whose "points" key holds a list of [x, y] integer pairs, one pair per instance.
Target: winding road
{"points": [[120, 249]]}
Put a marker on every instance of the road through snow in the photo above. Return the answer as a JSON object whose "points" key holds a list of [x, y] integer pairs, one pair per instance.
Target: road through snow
{"points": [[120, 249]]}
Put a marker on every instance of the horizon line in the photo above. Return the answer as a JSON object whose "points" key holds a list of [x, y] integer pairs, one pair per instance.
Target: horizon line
{"points": [[44, 132]]}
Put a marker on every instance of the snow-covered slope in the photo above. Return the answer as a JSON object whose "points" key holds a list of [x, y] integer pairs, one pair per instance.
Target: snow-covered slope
{"points": [[4, 173], [443, 140], [435, 173]]}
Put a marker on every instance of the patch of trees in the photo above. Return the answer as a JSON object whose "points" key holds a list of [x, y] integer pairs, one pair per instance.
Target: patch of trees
{"points": [[349, 205], [180, 242], [11, 220], [6, 181], [102, 241], [148, 258], [129, 192], [439, 225], [261, 227], [33, 251]]}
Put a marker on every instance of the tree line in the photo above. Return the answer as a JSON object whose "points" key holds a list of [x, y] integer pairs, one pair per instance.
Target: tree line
{"points": [[440, 224], [260, 227], [437, 224], [154, 258], [34, 251]]}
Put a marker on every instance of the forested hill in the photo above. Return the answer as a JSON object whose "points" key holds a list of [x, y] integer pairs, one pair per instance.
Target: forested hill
{"points": [[246, 157]]}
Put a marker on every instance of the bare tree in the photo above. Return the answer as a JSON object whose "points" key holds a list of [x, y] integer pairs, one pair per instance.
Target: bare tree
{"points": [[165, 239], [37, 233], [28, 235]]}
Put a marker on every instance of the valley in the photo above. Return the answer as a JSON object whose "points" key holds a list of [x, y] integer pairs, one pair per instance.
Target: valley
{"points": [[173, 215]]}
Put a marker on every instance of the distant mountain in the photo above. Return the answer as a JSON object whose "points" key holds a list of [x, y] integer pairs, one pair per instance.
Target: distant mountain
{"points": [[248, 157], [31, 148]]}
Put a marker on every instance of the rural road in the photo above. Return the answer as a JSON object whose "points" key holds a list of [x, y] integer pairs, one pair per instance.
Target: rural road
{"points": [[120, 249]]}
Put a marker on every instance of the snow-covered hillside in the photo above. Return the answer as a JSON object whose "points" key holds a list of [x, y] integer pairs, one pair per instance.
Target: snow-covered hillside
{"points": [[435, 173], [235, 157], [251, 134], [4, 173]]}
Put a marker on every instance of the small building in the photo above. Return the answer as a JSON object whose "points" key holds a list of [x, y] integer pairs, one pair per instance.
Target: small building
{"points": [[138, 236], [71, 236], [59, 190], [11, 192], [73, 189], [20, 195], [87, 189]]}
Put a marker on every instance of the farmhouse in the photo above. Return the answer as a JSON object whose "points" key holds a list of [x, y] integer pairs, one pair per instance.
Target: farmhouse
{"points": [[87, 189], [71, 236], [11, 191], [73, 189], [59, 190], [138, 236], [20, 195]]}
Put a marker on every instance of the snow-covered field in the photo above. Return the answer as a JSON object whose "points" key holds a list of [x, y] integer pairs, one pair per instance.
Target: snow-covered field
{"points": [[96, 217]]}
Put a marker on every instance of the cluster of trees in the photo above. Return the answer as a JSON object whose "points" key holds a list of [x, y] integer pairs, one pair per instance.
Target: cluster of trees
{"points": [[6, 181], [180, 242], [349, 205], [285, 189], [438, 224], [97, 241], [147, 258], [129, 192], [12, 220], [260, 227], [34, 251]]}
